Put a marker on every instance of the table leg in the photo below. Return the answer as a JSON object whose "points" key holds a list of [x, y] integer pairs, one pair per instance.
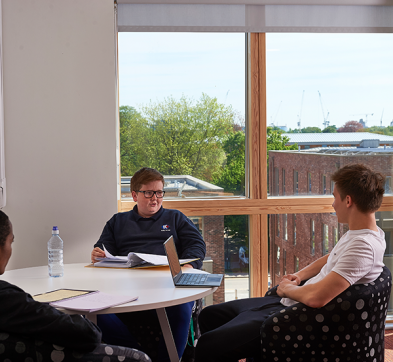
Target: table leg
{"points": [[92, 318], [167, 333]]}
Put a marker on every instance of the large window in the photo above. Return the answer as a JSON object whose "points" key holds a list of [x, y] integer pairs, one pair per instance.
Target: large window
{"points": [[323, 101], [297, 91], [314, 240], [329, 113], [182, 111]]}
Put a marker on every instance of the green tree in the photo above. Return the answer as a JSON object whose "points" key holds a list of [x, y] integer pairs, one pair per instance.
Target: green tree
{"points": [[277, 129], [134, 132], [330, 129], [379, 130], [177, 137], [232, 177], [311, 130], [295, 130], [276, 141]]}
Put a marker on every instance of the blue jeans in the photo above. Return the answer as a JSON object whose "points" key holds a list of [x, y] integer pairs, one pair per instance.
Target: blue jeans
{"points": [[116, 329]]}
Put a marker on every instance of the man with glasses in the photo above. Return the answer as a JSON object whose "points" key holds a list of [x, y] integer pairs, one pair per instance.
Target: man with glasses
{"points": [[144, 230]]}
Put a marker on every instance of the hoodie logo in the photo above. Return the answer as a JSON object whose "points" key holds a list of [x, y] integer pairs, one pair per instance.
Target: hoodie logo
{"points": [[165, 228]]}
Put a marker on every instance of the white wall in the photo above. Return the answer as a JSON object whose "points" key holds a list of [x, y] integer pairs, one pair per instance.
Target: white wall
{"points": [[60, 128]]}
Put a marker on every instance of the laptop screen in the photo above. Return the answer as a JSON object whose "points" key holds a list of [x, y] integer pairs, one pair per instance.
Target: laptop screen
{"points": [[173, 259]]}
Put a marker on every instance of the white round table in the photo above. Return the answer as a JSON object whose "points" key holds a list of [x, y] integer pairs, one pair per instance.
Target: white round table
{"points": [[153, 287]]}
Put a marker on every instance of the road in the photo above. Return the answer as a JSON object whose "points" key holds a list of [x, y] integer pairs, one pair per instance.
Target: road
{"points": [[236, 287]]}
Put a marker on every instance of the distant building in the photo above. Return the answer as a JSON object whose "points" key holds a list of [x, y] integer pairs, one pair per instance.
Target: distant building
{"points": [[340, 139], [298, 239]]}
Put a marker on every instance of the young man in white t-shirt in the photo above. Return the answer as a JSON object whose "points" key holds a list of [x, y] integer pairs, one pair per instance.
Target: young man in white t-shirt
{"points": [[230, 331]]}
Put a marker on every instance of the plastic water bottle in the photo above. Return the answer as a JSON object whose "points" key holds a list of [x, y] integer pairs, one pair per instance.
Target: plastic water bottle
{"points": [[55, 254]]}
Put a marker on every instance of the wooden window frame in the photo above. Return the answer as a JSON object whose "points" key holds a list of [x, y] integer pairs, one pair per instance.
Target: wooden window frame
{"points": [[258, 205]]}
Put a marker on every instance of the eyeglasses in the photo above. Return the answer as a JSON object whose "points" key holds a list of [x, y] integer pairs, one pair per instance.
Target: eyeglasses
{"points": [[149, 194]]}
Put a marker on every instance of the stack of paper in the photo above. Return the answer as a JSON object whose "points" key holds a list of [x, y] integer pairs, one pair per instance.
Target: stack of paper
{"points": [[135, 260], [84, 301]]}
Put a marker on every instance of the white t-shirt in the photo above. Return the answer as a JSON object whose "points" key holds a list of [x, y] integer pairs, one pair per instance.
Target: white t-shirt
{"points": [[357, 257]]}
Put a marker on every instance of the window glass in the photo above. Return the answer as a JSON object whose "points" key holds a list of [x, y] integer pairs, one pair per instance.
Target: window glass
{"points": [[327, 232], [324, 109], [299, 254], [325, 239], [296, 264], [285, 218], [312, 237], [182, 111], [388, 185], [335, 235], [295, 182], [385, 222], [278, 261], [227, 252]]}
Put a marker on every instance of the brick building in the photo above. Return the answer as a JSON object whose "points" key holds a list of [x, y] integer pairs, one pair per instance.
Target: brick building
{"points": [[298, 239]]}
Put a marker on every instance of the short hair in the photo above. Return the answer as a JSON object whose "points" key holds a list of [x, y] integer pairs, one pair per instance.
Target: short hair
{"points": [[143, 177], [365, 186], [5, 227]]}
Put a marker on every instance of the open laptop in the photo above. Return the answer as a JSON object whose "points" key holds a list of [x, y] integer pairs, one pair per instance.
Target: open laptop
{"points": [[191, 280]]}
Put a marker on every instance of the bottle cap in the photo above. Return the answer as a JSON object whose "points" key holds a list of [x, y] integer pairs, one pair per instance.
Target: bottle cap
{"points": [[55, 230]]}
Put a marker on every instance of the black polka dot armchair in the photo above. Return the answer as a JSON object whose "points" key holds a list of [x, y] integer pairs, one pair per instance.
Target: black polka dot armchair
{"points": [[351, 327]]}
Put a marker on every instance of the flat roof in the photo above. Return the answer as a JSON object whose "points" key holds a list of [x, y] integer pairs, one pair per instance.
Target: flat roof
{"points": [[336, 138], [183, 182], [342, 151]]}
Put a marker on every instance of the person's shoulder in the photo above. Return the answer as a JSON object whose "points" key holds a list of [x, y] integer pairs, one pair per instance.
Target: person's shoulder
{"points": [[367, 238], [173, 212], [122, 215], [366, 234], [5, 286]]}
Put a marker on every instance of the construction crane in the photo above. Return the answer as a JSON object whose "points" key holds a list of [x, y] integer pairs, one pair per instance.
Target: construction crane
{"points": [[274, 122], [299, 117], [325, 119]]}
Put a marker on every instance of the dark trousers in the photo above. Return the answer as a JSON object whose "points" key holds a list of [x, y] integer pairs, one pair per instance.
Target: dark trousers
{"points": [[231, 331], [123, 329]]}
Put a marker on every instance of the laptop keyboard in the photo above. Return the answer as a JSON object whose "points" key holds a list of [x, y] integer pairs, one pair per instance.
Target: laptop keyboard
{"points": [[192, 279]]}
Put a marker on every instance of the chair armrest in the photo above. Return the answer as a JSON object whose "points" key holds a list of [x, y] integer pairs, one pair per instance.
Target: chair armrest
{"points": [[17, 348], [350, 325]]}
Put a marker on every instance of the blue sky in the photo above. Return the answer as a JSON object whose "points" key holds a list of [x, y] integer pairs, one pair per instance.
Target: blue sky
{"points": [[353, 73]]}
